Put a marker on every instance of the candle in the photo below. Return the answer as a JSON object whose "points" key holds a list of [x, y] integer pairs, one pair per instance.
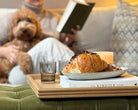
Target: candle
{"points": [[106, 55]]}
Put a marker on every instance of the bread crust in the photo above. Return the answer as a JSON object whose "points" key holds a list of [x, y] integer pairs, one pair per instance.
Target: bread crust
{"points": [[86, 63]]}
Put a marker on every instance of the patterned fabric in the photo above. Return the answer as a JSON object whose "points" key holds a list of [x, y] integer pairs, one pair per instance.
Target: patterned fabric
{"points": [[125, 36]]}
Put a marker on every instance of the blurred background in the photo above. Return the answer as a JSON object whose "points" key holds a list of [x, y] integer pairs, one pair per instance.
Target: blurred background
{"points": [[59, 3]]}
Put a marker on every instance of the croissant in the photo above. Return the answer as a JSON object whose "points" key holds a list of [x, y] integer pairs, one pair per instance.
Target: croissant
{"points": [[86, 63]]}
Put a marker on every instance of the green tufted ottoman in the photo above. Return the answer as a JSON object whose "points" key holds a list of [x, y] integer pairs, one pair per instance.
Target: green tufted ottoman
{"points": [[23, 98]]}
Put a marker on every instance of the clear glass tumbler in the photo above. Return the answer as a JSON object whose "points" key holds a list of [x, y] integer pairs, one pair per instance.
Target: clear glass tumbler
{"points": [[61, 65], [48, 71]]}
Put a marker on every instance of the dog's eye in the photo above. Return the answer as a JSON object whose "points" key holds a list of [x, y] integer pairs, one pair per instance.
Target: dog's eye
{"points": [[29, 20], [18, 20]]}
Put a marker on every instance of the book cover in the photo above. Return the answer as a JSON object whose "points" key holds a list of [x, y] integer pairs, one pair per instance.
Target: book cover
{"points": [[124, 80], [76, 13]]}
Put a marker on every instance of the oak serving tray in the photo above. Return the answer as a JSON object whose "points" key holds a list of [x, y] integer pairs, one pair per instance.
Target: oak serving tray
{"points": [[54, 90]]}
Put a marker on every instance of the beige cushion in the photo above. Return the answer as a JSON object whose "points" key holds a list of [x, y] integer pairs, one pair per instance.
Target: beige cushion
{"points": [[125, 36], [5, 16], [96, 32]]}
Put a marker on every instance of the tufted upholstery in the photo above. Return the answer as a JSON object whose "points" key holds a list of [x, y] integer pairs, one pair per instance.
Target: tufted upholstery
{"points": [[23, 98]]}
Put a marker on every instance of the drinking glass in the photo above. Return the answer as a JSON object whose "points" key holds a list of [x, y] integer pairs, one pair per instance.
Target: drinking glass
{"points": [[48, 70], [61, 65]]}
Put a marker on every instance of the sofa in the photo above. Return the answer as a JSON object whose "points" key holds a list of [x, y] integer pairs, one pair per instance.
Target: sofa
{"points": [[95, 36]]}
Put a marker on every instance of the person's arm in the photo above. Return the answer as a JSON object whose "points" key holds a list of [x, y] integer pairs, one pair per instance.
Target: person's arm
{"points": [[9, 52], [69, 39]]}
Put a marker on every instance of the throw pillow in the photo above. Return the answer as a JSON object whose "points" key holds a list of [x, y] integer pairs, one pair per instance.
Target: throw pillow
{"points": [[5, 16], [124, 41]]}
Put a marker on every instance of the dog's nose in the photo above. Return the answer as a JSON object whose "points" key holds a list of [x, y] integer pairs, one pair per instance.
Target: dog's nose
{"points": [[24, 30]]}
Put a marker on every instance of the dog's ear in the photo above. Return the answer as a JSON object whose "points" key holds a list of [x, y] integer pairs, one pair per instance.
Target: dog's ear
{"points": [[10, 33], [10, 30], [39, 30]]}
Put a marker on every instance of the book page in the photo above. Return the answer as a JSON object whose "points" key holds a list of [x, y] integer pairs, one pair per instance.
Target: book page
{"points": [[111, 82], [69, 8], [81, 1]]}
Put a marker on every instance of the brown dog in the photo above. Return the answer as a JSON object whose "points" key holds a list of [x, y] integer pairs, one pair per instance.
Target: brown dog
{"points": [[24, 31]]}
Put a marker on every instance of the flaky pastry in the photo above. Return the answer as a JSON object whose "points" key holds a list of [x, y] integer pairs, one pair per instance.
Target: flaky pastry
{"points": [[86, 63]]}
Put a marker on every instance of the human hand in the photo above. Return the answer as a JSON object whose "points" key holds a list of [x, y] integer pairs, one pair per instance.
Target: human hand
{"points": [[69, 38], [9, 52]]}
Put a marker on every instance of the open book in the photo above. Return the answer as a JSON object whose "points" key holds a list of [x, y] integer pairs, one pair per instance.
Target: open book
{"points": [[124, 80], [76, 13]]}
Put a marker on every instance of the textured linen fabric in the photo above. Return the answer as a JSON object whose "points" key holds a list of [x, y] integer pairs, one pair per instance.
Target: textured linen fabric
{"points": [[124, 41], [97, 31], [50, 49]]}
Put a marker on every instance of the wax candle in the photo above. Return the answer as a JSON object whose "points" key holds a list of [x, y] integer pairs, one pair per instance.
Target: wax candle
{"points": [[106, 55]]}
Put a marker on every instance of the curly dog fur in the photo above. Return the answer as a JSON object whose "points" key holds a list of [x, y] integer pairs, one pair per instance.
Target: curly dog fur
{"points": [[25, 32]]}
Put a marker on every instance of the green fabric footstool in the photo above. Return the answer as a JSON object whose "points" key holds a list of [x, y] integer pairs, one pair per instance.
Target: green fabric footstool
{"points": [[23, 98]]}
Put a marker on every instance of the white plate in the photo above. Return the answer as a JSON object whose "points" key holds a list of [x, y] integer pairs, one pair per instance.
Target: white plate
{"points": [[97, 75]]}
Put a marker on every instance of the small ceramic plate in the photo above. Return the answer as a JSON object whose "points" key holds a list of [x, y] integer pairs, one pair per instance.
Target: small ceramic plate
{"points": [[97, 75]]}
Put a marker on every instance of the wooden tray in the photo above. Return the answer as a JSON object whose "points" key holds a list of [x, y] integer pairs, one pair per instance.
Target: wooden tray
{"points": [[44, 90]]}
